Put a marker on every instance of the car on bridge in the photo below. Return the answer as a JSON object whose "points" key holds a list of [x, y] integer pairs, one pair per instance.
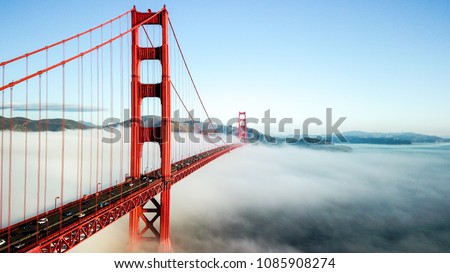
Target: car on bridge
{"points": [[81, 215], [103, 204], [19, 245], [42, 221], [68, 213], [144, 177]]}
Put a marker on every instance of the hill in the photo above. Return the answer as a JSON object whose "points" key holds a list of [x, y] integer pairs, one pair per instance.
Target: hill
{"points": [[391, 138], [21, 124]]}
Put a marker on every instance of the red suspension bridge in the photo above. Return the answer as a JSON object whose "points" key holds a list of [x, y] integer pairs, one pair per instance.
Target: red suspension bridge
{"points": [[82, 147]]}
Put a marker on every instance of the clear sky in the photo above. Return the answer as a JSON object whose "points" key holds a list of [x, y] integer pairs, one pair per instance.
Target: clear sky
{"points": [[385, 65]]}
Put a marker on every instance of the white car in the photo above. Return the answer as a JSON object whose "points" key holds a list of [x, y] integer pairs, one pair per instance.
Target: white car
{"points": [[42, 221], [20, 245], [81, 215], [2, 242]]}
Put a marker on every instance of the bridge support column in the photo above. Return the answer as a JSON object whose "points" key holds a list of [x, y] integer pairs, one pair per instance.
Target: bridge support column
{"points": [[133, 231], [140, 215], [165, 244], [242, 126], [140, 134], [166, 132]]}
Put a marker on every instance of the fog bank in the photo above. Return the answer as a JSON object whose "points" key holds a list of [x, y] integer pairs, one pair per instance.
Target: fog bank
{"points": [[290, 199]]}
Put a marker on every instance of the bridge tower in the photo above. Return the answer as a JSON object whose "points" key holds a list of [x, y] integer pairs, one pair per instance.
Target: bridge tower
{"points": [[140, 134], [242, 126]]}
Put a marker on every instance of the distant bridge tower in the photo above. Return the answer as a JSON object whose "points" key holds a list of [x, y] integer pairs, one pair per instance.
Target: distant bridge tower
{"points": [[140, 134], [242, 126]]}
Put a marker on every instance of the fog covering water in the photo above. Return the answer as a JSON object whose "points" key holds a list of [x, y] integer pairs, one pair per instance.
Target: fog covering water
{"points": [[289, 199]]}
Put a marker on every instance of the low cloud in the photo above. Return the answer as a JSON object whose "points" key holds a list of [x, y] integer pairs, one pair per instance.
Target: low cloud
{"points": [[260, 199], [298, 200], [54, 107]]}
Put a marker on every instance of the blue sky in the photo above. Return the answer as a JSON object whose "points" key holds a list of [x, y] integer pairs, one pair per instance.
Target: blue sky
{"points": [[385, 65]]}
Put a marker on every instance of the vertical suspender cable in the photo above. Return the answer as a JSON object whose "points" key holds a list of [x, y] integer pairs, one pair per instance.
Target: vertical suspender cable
{"points": [[103, 107], [190, 99], [177, 106], [62, 135], [148, 108], [82, 128], [181, 113], [175, 101], [91, 91], [155, 148], [112, 105], [2, 158], [77, 185], [98, 120], [26, 146], [183, 95], [10, 164], [39, 152], [46, 131], [178, 102], [121, 103]]}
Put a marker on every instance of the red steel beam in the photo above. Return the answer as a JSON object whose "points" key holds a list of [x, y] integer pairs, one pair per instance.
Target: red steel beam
{"points": [[166, 132]]}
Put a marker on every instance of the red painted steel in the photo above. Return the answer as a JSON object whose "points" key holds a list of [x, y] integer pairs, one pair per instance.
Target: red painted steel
{"points": [[136, 146], [242, 125], [166, 127], [140, 134]]}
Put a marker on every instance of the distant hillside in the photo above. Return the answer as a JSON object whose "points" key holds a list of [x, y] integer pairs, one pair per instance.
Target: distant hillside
{"points": [[147, 121], [353, 137], [391, 138], [155, 121], [22, 124]]}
